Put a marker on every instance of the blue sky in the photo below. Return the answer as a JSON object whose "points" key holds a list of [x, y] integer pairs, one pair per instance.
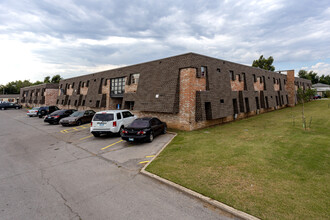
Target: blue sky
{"points": [[71, 38]]}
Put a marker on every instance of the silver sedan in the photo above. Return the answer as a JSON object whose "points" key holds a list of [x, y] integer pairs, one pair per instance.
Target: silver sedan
{"points": [[32, 112]]}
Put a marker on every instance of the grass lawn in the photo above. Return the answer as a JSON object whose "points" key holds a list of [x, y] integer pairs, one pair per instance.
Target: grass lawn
{"points": [[265, 165]]}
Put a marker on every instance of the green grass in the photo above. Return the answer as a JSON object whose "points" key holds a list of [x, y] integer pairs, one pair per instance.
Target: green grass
{"points": [[265, 165]]}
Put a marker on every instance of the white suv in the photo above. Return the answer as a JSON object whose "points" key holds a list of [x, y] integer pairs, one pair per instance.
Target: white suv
{"points": [[111, 122]]}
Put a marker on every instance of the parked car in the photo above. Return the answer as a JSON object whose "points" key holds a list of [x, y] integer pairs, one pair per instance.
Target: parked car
{"points": [[46, 110], [7, 105], [111, 122], [144, 129], [56, 116], [78, 118], [32, 112], [317, 97]]}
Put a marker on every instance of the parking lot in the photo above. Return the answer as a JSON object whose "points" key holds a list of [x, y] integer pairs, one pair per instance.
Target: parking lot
{"points": [[55, 172]]}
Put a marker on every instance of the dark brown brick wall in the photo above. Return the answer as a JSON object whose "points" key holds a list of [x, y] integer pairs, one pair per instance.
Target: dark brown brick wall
{"points": [[174, 89]]}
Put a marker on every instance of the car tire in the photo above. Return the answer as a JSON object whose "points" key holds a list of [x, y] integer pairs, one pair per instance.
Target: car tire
{"points": [[78, 123], [151, 137], [96, 134], [2, 108], [165, 130], [121, 130], [17, 107]]}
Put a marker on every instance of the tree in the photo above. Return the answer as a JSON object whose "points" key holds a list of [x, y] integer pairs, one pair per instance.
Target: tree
{"points": [[325, 79], [264, 63], [56, 79], [305, 96], [47, 79], [312, 76]]}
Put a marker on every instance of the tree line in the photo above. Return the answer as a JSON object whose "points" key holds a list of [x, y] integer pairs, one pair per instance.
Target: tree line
{"points": [[15, 86]]}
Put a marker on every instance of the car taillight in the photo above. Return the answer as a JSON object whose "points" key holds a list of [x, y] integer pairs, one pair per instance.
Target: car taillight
{"points": [[114, 124], [140, 132], [56, 116], [91, 123], [125, 132]]}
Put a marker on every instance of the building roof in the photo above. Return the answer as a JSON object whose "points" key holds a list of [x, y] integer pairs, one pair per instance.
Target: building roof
{"points": [[320, 85], [11, 96]]}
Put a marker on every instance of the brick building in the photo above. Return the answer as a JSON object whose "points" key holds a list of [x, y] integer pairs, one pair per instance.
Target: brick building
{"points": [[13, 98], [39, 95], [188, 91]]}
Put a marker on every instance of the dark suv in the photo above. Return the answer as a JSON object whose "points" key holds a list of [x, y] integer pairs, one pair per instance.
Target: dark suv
{"points": [[46, 110]]}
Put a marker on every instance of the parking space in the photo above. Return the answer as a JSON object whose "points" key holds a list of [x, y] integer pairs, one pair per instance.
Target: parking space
{"points": [[54, 172], [112, 148]]}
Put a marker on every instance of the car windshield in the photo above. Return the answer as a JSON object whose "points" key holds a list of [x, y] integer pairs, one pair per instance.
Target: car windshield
{"points": [[139, 124], [59, 112], [103, 117], [77, 114]]}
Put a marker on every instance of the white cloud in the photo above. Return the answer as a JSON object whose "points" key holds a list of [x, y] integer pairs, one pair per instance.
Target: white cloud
{"points": [[39, 38]]}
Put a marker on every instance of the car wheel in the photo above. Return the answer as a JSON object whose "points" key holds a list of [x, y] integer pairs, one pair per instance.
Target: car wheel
{"points": [[121, 130], [96, 134], [78, 122], [17, 107], [2, 108], [151, 137], [165, 130]]}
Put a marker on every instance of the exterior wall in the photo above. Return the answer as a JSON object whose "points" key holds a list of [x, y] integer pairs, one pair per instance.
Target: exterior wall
{"points": [[51, 96], [39, 95], [188, 91], [13, 98]]}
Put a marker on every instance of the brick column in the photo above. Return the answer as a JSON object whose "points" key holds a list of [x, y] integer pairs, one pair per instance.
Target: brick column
{"points": [[189, 84], [290, 87]]}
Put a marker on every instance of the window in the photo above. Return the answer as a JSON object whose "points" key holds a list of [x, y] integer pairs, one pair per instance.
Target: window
{"points": [[254, 78], [203, 71], [103, 117], [239, 77], [257, 103], [127, 114], [134, 78], [105, 82], [129, 105], [118, 116], [83, 84], [97, 104], [62, 102], [57, 101], [261, 80], [75, 102], [83, 103], [218, 70], [72, 85], [222, 101], [235, 106], [232, 75], [69, 102], [117, 86], [87, 84]]}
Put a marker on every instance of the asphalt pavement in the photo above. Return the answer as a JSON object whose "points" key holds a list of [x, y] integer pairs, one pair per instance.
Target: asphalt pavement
{"points": [[54, 172]]}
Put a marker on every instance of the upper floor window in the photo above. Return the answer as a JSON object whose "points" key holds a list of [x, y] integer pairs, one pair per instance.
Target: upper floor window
{"points": [[232, 75], [118, 85], [203, 71], [134, 78]]}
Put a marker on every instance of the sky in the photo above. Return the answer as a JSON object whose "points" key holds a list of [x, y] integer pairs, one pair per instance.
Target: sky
{"points": [[71, 38]]}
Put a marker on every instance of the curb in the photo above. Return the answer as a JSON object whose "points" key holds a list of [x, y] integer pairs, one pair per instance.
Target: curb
{"points": [[212, 202]]}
